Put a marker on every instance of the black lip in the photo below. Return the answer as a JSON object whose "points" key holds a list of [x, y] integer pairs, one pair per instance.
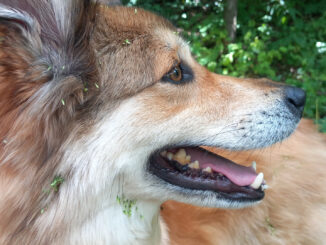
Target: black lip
{"points": [[195, 180]]}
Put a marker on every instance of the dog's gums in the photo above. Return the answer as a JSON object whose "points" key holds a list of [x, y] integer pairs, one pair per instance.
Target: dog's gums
{"points": [[198, 169]]}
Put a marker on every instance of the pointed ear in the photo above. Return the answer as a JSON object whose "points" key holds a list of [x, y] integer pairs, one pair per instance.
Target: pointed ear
{"points": [[17, 18]]}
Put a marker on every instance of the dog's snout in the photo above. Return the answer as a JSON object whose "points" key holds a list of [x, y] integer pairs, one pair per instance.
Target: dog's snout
{"points": [[295, 98]]}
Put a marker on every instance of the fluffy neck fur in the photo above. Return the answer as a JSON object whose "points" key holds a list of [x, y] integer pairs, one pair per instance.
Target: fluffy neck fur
{"points": [[113, 222], [110, 211], [112, 226]]}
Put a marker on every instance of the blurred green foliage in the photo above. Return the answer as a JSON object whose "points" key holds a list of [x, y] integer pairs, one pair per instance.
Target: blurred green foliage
{"points": [[282, 40]]}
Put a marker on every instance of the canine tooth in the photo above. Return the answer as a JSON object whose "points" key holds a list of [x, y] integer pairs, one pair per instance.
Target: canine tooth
{"points": [[169, 155], [194, 165], [253, 165], [258, 181], [163, 153], [207, 169]]}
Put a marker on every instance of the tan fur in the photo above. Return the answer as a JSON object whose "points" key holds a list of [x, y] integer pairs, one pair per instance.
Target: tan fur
{"points": [[293, 211], [82, 97]]}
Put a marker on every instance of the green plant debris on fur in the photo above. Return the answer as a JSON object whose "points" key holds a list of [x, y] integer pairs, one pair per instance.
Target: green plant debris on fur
{"points": [[96, 85], [43, 210], [85, 86], [127, 42], [127, 206], [56, 182], [270, 226], [63, 102]]}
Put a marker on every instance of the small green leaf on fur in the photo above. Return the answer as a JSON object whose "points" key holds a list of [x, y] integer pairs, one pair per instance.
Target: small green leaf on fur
{"points": [[270, 226], [56, 182], [127, 42]]}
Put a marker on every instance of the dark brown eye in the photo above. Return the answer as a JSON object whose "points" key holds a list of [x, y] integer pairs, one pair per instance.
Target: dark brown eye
{"points": [[179, 74], [175, 74]]}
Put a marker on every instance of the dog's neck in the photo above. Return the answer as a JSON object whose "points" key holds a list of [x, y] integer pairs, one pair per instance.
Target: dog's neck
{"points": [[106, 198], [108, 217], [109, 208], [121, 224]]}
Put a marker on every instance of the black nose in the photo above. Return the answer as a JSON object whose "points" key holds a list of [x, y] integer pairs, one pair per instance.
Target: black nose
{"points": [[295, 98]]}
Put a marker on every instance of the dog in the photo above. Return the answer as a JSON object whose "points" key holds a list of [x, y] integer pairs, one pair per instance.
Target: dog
{"points": [[103, 110], [293, 211]]}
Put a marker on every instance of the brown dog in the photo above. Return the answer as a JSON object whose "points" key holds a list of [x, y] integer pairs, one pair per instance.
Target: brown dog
{"points": [[102, 114], [293, 211]]}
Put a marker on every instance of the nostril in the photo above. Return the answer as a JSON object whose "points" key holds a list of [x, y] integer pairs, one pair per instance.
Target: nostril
{"points": [[295, 96], [291, 101]]}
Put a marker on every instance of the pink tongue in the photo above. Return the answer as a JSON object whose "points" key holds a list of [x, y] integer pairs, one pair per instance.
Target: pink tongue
{"points": [[238, 174]]}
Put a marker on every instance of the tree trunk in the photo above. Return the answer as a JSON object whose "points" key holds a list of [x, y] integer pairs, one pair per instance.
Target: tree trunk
{"points": [[230, 18]]}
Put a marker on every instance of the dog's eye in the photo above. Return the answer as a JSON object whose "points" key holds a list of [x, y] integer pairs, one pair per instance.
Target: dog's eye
{"points": [[175, 74], [179, 74]]}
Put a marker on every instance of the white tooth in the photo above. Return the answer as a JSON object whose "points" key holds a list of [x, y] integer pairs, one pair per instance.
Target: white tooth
{"points": [[181, 154], [182, 157], [258, 181], [264, 187], [207, 169], [163, 153], [253, 165], [194, 164], [169, 155], [183, 161]]}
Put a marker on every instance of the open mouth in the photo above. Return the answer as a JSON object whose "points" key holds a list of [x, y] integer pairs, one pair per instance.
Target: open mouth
{"points": [[198, 169]]}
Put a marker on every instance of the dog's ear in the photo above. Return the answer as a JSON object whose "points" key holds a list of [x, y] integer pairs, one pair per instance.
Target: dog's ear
{"points": [[13, 16], [47, 64], [56, 34]]}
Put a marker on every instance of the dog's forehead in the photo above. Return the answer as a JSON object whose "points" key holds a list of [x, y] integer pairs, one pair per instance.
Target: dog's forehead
{"points": [[136, 20], [126, 24], [131, 39]]}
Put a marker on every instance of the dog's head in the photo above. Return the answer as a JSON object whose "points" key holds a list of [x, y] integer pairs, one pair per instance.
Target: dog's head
{"points": [[170, 105], [128, 107]]}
